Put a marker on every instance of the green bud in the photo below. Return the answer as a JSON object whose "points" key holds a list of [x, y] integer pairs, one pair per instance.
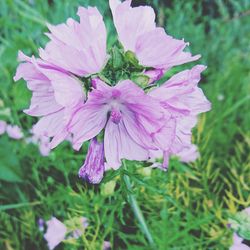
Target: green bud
{"points": [[131, 58], [140, 79], [108, 188], [117, 58]]}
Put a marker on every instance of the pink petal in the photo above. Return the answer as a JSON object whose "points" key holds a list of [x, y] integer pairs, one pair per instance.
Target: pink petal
{"points": [[118, 145], [87, 122], [125, 18], [14, 132], [157, 49], [56, 232], [79, 48], [3, 126]]}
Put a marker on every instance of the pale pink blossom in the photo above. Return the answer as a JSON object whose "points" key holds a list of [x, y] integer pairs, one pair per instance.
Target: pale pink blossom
{"points": [[238, 243], [56, 232], [14, 132], [3, 126], [106, 245], [78, 47], [184, 100], [55, 96]]}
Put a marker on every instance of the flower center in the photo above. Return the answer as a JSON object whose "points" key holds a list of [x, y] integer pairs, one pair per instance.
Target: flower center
{"points": [[115, 115]]}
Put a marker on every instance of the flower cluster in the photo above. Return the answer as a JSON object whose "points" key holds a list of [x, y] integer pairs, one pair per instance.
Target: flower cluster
{"points": [[111, 97]]}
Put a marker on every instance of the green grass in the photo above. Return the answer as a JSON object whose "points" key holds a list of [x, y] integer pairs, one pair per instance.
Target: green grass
{"points": [[186, 207]]}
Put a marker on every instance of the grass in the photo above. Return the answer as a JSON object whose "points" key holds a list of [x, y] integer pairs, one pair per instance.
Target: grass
{"points": [[185, 208]]}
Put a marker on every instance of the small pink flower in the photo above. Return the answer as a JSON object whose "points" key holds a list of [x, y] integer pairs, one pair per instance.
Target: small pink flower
{"points": [[3, 126], [56, 232], [106, 245], [14, 132], [237, 243]]}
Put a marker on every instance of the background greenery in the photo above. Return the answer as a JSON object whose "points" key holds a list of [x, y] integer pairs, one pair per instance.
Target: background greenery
{"points": [[187, 207]]}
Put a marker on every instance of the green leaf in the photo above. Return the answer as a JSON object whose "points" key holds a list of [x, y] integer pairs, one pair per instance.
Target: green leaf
{"points": [[9, 165], [22, 95]]}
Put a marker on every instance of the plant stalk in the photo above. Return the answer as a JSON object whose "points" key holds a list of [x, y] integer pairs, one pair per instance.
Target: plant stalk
{"points": [[137, 211]]}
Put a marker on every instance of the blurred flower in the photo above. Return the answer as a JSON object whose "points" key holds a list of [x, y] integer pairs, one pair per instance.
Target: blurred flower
{"points": [[240, 223], [56, 232], [220, 97], [106, 245], [238, 243], [3, 126], [14, 132], [42, 141], [82, 226], [152, 46], [41, 223]]}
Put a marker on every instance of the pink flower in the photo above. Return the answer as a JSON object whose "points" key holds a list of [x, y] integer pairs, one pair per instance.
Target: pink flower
{"points": [[93, 168], [79, 48], [56, 95], [181, 96], [136, 125], [56, 232], [237, 243], [106, 245], [138, 33], [77, 233], [3, 126], [14, 132], [44, 145], [129, 117]]}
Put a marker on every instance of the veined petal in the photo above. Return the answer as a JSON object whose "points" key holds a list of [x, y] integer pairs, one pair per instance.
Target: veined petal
{"points": [[93, 168], [159, 50], [87, 122], [118, 145], [125, 18], [79, 48]]}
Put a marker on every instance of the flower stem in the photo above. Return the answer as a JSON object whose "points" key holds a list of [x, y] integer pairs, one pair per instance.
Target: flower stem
{"points": [[137, 211]]}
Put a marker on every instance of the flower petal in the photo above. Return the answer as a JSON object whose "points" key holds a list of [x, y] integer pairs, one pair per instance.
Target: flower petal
{"points": [[118, 145]]}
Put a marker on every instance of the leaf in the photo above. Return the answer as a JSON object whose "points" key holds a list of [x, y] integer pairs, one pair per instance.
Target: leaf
{"points": [[9, 165], [22, 95]]}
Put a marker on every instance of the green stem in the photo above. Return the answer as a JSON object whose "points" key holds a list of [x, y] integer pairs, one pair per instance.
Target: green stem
{"points": [[137, 211]]}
